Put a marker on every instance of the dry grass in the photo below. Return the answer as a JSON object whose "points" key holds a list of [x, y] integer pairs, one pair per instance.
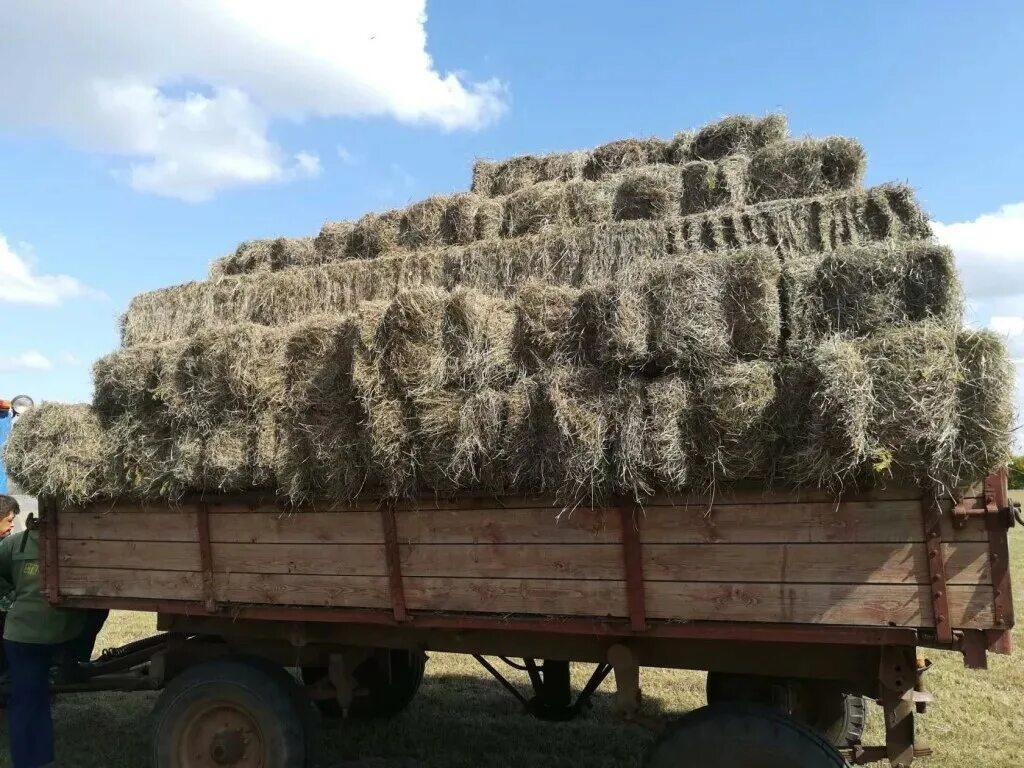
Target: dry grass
{"points": [[461, 718]]}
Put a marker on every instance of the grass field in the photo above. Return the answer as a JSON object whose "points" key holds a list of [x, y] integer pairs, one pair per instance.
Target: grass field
{"points": [[462, 718]]}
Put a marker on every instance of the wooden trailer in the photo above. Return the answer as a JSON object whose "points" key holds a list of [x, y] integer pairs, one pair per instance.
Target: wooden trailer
{"points": [[797, 603]]}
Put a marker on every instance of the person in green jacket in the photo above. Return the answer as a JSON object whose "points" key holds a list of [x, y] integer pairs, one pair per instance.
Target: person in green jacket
{"points": [[35, 635]]}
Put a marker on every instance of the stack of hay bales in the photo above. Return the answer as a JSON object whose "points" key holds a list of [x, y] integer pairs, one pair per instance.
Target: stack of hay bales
{"points": [[730, 307]]}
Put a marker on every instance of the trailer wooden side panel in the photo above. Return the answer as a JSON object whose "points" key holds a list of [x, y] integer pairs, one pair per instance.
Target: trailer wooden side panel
{"points": [[777, 558]]}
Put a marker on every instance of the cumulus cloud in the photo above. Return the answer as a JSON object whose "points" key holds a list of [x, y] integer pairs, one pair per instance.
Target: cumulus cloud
{"points": [[187, 91], [21, 284], [26, 361], [989, 251]]}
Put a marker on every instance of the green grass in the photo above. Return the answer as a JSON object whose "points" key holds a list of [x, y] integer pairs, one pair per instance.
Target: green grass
{"points": [[462, 718]]}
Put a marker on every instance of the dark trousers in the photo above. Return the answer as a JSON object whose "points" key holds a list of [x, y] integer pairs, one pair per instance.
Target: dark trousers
{"points": [[28, 708]]}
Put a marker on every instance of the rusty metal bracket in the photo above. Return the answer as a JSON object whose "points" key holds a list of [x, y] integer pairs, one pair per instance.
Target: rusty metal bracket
{"points": [[206, 557], [897, 677], [996, 524], [393, 559], [636, 600], [932, 511]]}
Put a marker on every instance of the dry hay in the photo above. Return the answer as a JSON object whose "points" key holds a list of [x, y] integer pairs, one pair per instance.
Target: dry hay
{"points": [[738, 134], [573, 256], [861, 289], [331, 244], [509, 176], [708, 184], [616, 156], [886, 212], [267, 255], [713, 308], [924, 403], [806, 168], [556, 204], [448, 220], [374, 234], [680, 148], [733, 428], [477, 341], [650, 192], [274, 299], [542, 315], [60, 450]]}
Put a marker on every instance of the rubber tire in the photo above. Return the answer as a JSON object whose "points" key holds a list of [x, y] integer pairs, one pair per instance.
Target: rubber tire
{"points": [[385, 698], [310, 714], [263, 694], [841, 718], [741, 736]]}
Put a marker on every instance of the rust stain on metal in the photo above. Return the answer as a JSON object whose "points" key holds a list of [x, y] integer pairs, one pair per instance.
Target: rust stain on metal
{"points": [[636, 599], [931, 512], [393, 557]]}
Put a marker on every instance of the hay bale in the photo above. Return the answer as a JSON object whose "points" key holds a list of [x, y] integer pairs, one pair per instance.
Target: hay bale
{"points": [[617, 156], [651, 192], [61, 450], [734, 429], [738, 134], [463, 221], [267, 255], [331, 244], [550, 204], [477, 334], [582, 426], [488, 219], [482, 181], [708, 184], [825, 420], [858, 290], [274, 299], [518, 173], [406, 346], [806, 168], [374, 234], [422, 224], [608, 326], [542, 315], [752, 306], [324, 449], [680, 148], [468, 439], [689, 329], [985, 413]]}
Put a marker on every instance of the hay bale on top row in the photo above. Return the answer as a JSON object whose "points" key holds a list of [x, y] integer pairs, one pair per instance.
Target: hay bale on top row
{"points": [[708, 184], [732, 135]]}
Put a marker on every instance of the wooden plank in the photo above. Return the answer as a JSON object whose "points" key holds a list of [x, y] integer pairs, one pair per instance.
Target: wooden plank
{"points": [[119, 582], [128, 526], [508, 526], [275, 527], [862, 604], [312, 559], [542, 597], [868, 522], [532, 561], [810, 563], [139, 555], [294, 589]]}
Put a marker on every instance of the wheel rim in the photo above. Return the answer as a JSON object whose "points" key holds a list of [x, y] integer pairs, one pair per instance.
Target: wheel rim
{"points": [[220, 734]]}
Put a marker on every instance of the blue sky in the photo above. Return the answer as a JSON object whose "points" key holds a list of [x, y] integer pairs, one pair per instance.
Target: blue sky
{"points": [[103, 200]]}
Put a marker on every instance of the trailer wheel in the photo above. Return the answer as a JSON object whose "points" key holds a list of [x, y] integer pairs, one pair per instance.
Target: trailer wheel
{"points": [[228, 714], [387, 683], [741, 736], [821, 704]]}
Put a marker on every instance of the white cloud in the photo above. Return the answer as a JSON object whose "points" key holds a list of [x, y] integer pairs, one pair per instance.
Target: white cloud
{"points": [[990, 257], [308, 164], [989, 251], [187, 91], [26, 361], [69, 358], [345, 156], [20, 284]]}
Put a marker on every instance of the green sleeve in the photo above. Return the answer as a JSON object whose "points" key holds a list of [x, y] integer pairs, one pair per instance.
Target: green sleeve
{"points": [[6, 562]]}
